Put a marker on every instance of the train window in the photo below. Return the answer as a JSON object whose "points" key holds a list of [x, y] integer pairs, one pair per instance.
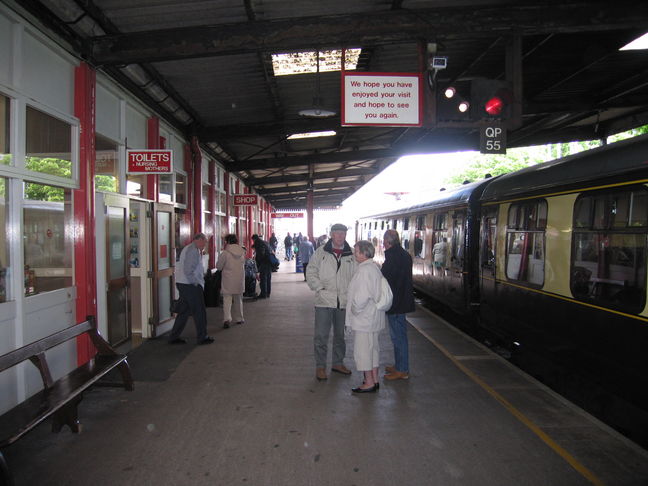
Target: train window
{"points": [[47, 215], [48, 144], [4, 248], [488, 238], [5, 124], [440, 221], [405, 224], [608, 266], [458, 238], [420, 222], [525, 242], [382, 225], [394, 223]]}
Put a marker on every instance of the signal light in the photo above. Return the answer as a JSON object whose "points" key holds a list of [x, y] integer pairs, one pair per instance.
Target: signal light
{"points": [[494, 106], [463, 106], [450, 92]]}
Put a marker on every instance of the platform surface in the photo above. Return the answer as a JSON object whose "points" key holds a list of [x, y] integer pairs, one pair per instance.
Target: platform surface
{"points": [[247, 410]]}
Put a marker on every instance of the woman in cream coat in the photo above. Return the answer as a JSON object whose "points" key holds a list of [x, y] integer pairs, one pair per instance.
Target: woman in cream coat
{"points": [[367, 301], [232, 262]]}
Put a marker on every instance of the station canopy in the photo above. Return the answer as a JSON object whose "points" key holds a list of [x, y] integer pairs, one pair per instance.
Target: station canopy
{"points": [[244, 78]]}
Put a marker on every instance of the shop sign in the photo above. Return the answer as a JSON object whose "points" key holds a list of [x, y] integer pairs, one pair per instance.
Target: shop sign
{"points": [[105, 162], [159, 161], [245, 199], [385, 99], [286, 215]]}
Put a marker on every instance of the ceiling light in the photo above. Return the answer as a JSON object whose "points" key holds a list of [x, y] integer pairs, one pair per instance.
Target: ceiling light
{"points": [[450, 92], [463, 106], [637, 44], [328, 133]]}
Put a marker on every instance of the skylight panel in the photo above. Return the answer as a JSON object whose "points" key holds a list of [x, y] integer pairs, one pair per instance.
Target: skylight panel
{"points": [[306, 62]]}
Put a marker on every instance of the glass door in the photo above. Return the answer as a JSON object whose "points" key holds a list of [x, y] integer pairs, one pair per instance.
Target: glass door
{"points": [[163, 262], [117, 243]]}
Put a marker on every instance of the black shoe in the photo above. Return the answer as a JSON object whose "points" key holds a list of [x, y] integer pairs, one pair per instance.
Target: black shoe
{"points": [[178, 341], [207, 340], [357, 389], [240, 322], [226, 325]]}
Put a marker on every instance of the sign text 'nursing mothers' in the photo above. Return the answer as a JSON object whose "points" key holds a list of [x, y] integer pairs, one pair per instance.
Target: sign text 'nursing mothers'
{"points": [[149, 161], [382, 99]]}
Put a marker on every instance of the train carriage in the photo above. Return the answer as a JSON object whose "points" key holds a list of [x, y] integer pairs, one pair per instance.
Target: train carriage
{"points": [[552, 259]]}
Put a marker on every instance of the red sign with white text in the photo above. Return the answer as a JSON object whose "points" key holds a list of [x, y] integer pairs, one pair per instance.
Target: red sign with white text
{"points": [[286, 215], [149, 161], [246, 199]]}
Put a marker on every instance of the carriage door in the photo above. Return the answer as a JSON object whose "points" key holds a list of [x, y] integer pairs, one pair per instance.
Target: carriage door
{"points": [[487, 264], [163, 260], [456, 279], [117, 248]]}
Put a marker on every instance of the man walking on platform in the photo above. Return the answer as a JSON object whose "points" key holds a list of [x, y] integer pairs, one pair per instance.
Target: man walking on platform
{"points": [[190, 281], [330, 270], [397, 269]]}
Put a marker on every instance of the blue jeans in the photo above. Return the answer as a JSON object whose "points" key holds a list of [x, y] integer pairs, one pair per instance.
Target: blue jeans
{"points": [[398, 333], [289, 253]]}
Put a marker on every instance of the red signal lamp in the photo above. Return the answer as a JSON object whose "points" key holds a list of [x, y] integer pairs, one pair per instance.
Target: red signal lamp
{"points": [[494, 106]]}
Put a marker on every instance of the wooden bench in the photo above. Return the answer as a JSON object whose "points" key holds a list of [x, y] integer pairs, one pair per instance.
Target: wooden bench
{"points": [[58, 399]]}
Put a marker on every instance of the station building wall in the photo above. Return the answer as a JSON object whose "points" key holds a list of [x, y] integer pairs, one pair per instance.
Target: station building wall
{"points": [[47, 181]]}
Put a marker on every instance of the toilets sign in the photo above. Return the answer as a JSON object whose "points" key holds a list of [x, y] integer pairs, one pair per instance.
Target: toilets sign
{"points": [[159, 161]]}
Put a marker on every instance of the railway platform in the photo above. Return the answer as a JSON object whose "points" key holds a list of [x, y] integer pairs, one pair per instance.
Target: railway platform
{"points": [[247, 410]]}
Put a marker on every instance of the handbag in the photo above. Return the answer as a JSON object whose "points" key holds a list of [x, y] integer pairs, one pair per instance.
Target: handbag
{"points": [[386, 296]]}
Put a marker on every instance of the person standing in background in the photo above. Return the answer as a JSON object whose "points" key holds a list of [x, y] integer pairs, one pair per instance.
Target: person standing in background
{"points": [[305, 251], [288, 244], [262, 257], [231, 262], [274, 242]]}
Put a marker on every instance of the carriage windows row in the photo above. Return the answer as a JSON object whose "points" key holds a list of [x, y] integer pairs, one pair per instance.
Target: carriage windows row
{"points": [[608, 265]]}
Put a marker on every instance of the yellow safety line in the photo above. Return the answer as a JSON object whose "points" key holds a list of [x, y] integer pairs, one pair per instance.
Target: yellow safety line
{"points": [[586, 473]]}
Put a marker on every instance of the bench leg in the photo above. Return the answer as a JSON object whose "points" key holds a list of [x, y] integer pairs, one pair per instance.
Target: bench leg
{"points": [[5, 476], [68, 415], [125, 371]]}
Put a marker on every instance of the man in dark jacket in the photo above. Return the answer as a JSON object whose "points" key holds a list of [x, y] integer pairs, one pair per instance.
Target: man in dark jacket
{"points": [[262, 257], [397, 269]]}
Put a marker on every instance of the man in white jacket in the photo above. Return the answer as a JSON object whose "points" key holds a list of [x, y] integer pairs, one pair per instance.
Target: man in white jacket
{"points": [[329, 272]]}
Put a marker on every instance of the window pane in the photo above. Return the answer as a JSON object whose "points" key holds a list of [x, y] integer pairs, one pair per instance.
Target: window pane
{"points": [[47, 238], [458, 232], [205, 198], [135, 185], [166, 188], [619, 210], [583, 213], [4, 247], [639, 209], [5, 155], [610, 269], [106, 165], [48, 144], [525, 257], [181, 188], [488, 235]]}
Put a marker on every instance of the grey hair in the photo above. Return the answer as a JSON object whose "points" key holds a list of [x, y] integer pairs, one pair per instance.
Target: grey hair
{"points": [[199, 236], [366, 248], [391, 237]]}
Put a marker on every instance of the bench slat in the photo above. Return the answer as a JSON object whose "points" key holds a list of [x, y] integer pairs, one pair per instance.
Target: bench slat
{"points": [[21, 354], [22, 418]]}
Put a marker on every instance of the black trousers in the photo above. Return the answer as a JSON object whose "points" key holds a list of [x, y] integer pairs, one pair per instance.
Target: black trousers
{"points": [[194, 296]]}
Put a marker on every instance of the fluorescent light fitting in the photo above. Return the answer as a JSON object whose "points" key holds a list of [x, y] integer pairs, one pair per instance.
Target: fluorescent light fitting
{"points": [[637, 44], [328, 133], [306, 62]]}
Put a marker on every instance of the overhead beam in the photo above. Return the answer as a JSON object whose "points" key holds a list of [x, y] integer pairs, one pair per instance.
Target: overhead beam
{"points": [[331, 174], [327, 158], [304, 187], [364, 29]]}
